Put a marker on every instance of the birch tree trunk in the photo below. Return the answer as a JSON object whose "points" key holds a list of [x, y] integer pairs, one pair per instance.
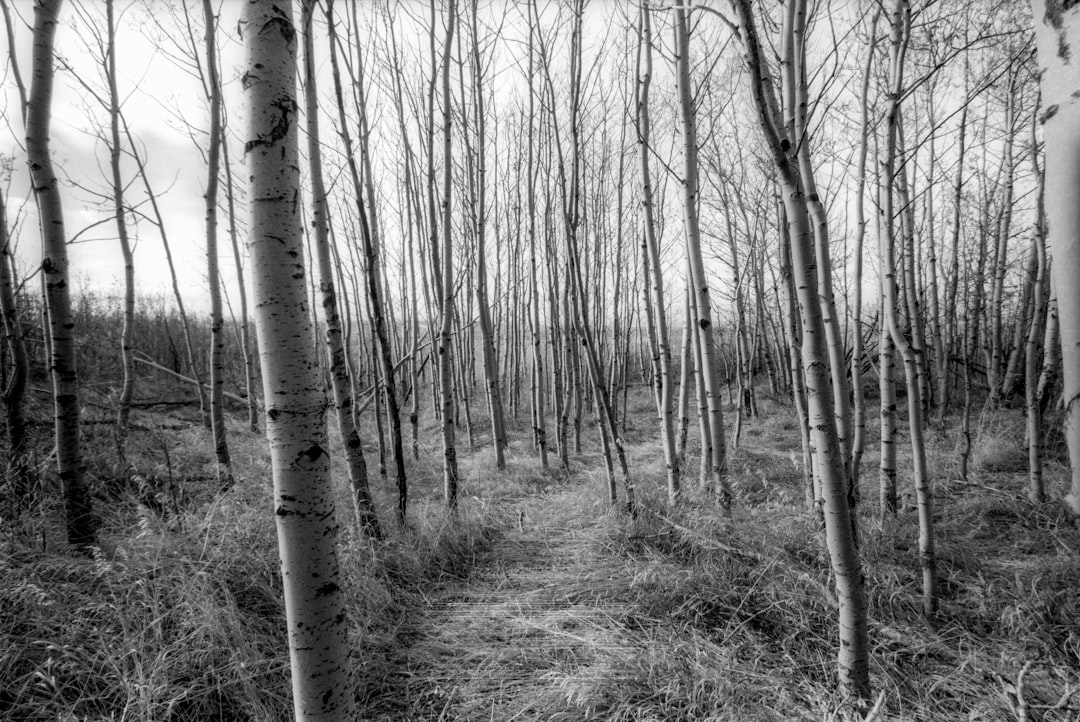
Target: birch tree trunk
{"points": [[339, 373], [831, 457], [217, 323], [127, 352], [292, 384], [446, 379], [709, 367], [797, 110], [81, 532], [901, 27], [539, 380], [245, 325], [371, 239], [479, 218], [369, 236], [1036, 488], [996, 362], [949, 332], [1057, 29], [655, 307], [858, 441]]}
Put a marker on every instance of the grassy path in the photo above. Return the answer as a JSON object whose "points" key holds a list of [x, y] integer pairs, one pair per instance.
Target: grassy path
{"points": [[513, 640]]}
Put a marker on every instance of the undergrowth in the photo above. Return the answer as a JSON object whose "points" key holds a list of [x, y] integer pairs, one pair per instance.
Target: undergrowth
{"points": [[178, 615], [674, 614]]}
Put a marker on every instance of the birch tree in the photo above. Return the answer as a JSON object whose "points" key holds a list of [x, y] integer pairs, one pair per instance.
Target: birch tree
{"points": [[831, 457], [655, 306], [1036, 489], [127, 351], [292, 384], [899, 36], [1057, 29], [81, 531], [217, 322], [339, 372], [709, 368], [446, 380]]}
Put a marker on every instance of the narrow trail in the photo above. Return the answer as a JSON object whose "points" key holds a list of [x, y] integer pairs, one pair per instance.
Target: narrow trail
{"points": [[526, 625]]}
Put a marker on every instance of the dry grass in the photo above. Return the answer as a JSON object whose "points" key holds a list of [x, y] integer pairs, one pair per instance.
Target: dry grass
{"points": [[541, 602]]}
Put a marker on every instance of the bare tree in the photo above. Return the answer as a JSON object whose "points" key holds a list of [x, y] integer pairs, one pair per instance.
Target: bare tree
{"points": [[292, 385], [339, 372], [81, 532], [655, 310], [831, 457], [217, 323], [709, 368]]}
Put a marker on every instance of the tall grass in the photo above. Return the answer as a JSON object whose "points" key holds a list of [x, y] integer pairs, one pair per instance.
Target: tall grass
{"points": [[537, 600]]}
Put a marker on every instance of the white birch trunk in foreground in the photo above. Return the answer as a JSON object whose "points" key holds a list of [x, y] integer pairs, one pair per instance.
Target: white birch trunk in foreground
{"points": [[292, 385], [1057, 28]]}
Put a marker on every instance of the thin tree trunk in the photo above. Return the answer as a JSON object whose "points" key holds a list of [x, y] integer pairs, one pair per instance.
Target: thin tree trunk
{"points": [[450, 465], [539, 422], [363, 506], [369, 238], [858, 441], [245, 327], [479, 217], [81, 527], [853, 652], [797, 106], [1051, 345], [995, 368], [709, 367], [901, 24], [126, 351], [217, 323], [655, 308], [686, 370], [954, 277], [372, 243], [1036, 488]]}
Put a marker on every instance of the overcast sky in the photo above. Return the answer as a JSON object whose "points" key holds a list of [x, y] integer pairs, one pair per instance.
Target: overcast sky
{"points": [[154, 91]]}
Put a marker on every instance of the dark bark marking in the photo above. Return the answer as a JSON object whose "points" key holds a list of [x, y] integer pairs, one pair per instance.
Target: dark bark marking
{"points": [[326, 590]]}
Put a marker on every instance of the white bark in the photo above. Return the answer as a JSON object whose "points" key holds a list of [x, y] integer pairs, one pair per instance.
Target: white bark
{"points": [[1057, 29], [292, 384]]}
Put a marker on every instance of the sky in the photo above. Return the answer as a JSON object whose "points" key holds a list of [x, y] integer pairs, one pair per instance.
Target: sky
{"points": [[153, 91]]}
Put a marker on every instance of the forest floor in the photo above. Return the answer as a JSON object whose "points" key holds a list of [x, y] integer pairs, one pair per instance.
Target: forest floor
{"points": [[539, 600], [525, 625]]}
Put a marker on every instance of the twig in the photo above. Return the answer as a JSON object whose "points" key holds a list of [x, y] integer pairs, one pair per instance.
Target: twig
{"points": [[711, 543], [155, 365], [1021, 703], [875, 711]]}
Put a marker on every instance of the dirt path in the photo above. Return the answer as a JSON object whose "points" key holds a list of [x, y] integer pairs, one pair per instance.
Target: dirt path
{"points": [[514, 640]]}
